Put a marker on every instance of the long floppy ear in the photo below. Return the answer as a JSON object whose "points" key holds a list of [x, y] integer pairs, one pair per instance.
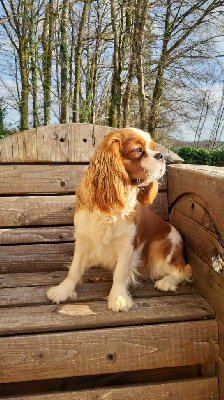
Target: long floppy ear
{"points": [[105, 182], [147, 194]]}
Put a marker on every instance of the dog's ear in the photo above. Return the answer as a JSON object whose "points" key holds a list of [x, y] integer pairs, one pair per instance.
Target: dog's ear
{"points": [[147, 194], [106, 179]]}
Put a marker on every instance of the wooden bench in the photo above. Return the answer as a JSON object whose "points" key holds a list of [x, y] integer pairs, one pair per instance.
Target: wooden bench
{"points": [[167, 347]]}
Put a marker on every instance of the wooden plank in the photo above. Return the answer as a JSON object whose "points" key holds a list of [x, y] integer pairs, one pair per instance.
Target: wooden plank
{"points": [[93, 275], [52, 143], [221, 338], [43, 356], [60, 143], [49, 178], [37, 235], [36, 210], [54, 178], [98, 381], [192, 389], [23, 295], [90, 315], [220, 373], [198, 239], [208, 283], [19, 147], [207, 183], [36, 257], [51, 210], [83, 140]]}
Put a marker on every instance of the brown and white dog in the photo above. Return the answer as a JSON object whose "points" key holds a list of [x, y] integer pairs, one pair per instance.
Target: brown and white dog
{"points": [[115, 229]]}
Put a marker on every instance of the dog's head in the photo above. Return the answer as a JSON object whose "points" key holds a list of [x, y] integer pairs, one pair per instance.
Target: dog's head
{"points": [[126, 158]]}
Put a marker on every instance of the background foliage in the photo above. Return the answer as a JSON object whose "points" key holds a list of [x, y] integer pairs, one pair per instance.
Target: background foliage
{"points": [[202, 156]]}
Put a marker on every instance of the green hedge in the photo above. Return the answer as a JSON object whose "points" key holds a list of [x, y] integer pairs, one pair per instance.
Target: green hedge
{"points": [[202, 156]]}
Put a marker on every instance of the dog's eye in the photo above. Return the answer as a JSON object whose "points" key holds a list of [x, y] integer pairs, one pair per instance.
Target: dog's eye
{"points": [[138, 150]]}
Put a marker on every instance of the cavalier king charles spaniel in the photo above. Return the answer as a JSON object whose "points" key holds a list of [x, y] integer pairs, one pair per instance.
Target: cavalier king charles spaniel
{"points": [[115, 228]]}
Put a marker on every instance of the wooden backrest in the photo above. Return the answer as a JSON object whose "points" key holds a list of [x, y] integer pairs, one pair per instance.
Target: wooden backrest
{"points": [[40, 170]]}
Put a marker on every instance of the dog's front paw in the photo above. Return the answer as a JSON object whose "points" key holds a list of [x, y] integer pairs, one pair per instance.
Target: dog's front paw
{"points": [[62, 292], [120, 303], [165, 284]]}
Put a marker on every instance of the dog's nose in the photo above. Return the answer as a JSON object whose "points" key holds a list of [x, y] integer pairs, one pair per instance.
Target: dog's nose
{"points": [[159, 156]]}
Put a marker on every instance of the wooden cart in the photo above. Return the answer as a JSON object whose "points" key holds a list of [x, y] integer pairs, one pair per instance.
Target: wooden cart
{"points": [[170, 346]]}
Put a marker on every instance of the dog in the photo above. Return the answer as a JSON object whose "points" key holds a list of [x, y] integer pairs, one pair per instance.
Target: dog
{"points": [[114, 226]]}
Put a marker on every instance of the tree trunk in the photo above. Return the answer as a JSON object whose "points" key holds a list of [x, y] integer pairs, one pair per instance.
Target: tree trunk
{"points": [[33, 67], [47, 45], [23, 63], [78, 54], [64, 57], [159, 84]]}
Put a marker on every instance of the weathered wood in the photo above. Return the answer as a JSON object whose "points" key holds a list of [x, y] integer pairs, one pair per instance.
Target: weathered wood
{"points": [[25, 295], [220, 373], [86, 352], [36, 210], [204, 244], [192, 389], [90, 315], [190, 205], [209, 284], [19, 147], [83, 140], [36, 257], [59, 143], [51, 210], [52, 143], [96, 381], [44, 278], [51, 178], [207, 183], [37, 235]]}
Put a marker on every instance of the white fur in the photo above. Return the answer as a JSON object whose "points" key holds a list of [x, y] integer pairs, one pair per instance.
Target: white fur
{"points": [[145, 135], [169, 276], [105, 241]]}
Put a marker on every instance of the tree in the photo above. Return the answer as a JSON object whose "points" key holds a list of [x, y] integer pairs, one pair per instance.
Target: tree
{"points": [[78, 54], [47, 42], [181, 20], [64, 58]]}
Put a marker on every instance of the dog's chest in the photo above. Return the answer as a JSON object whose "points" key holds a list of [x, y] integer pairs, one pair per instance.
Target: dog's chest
{"points": [[103, 236]]}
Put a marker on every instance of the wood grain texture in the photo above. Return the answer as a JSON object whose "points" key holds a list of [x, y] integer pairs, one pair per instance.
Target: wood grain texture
{"points": [[83, 140], [145, 376], [37, 235], [220, 373], [52, 143], [52, 210], [95, 274], [200, 240], [36, 257], [47, 178], [90, 315], [37, 210], [59, 143], [209, 284], [19, 147], [55, 355], [192, 389], [27, 295], [207, 183], [42, 178]]}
